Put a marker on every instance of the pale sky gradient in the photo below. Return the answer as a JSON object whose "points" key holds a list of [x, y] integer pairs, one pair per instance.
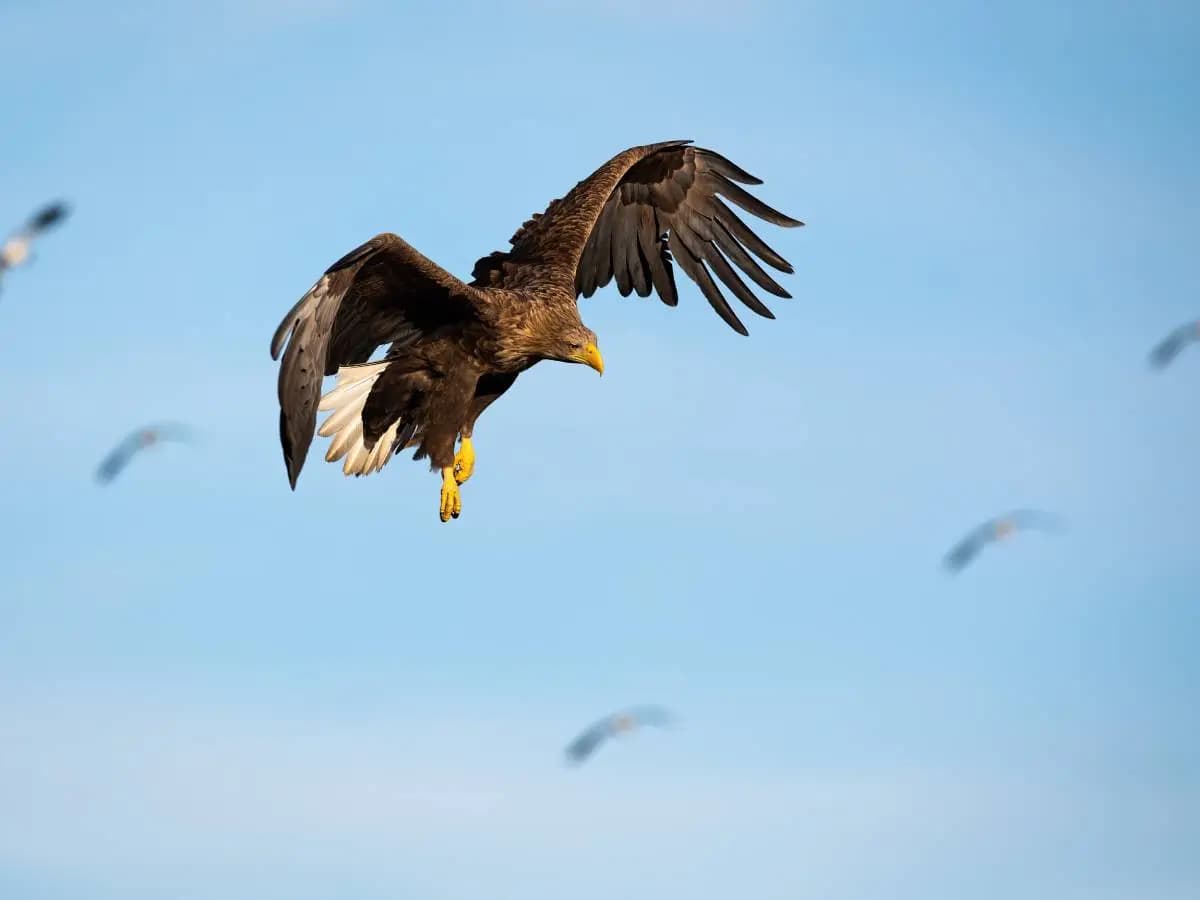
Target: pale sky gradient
{"points": [[214, 688]]}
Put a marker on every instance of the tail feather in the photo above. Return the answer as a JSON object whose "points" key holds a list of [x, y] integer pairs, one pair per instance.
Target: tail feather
{"points": [[356, 460], [345, 404], [382, 450], [349, 410]]}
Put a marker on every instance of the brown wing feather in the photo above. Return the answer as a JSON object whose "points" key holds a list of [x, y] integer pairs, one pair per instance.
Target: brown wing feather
{"points": [[639, 210], [383, 291], [672, 198], [547, 247]]}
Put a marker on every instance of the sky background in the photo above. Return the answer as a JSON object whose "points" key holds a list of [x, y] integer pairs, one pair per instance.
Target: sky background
{"points": [[211, 687]]}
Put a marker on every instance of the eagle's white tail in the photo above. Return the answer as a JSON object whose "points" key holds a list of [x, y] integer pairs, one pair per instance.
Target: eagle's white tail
{"points": [[345, 404]]}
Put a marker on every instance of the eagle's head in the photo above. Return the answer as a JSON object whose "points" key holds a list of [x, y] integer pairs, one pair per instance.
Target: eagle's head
{"points": [[580, 346], [556, 332]]}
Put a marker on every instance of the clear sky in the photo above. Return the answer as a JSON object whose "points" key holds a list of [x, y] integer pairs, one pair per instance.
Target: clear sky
{"points": [[212, 687]]}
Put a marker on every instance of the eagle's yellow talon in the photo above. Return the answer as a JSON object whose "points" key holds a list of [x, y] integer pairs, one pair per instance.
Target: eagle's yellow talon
{"points": [[451, 503], [464, 461]]}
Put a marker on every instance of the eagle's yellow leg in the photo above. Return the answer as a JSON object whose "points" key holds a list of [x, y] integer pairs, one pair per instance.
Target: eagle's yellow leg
{"points": [[451, 505], [464, 461]]}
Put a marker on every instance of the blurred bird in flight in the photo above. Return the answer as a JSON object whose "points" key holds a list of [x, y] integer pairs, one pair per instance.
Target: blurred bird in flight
{"points": [[456, 347], [17, 249], [1172, 345], [997, 529], [613, 726], [135, 443]]}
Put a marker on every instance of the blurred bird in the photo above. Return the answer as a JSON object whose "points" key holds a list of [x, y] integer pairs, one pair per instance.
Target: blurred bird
{"points": [[17, 249], [612, 726], [1172, 345], [997, 529], [134, 443]]}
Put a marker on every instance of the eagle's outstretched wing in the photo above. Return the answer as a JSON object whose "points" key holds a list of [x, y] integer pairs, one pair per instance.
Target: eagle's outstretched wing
{"points": [[383, 291], [634, 214]]}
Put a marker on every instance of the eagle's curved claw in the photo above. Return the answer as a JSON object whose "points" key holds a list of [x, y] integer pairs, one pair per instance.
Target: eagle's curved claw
{"points": [[451, 503], [464, 461]]}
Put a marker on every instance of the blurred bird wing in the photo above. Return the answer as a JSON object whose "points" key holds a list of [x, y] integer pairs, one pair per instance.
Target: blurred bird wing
{"points": [[174, 431], [118, 458], [652, 715], [1035, 519], [1172, 345], [965, 550], [46, 217], [586, 743]]}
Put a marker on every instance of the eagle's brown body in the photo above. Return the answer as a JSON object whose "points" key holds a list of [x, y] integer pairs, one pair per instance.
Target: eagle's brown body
{"points": [[455, 347]]}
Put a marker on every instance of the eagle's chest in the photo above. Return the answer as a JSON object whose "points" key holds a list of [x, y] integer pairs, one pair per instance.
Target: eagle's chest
{"points": [[503, 346]]}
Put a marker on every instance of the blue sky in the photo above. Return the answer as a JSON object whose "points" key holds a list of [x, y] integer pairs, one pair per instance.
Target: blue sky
{"points": [[214, 688]]}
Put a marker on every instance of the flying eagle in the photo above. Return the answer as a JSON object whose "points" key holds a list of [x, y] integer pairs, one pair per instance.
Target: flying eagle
{"points": [[16, 250], [1172, 345], [614, 726], [456, 347], [994, 530], [135, 443]]}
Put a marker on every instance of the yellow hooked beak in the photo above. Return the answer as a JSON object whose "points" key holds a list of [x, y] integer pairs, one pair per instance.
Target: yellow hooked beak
{"points": [[590, 356]]}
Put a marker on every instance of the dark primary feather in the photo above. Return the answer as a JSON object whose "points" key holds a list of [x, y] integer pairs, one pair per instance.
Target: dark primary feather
{"points": [[383, 291], [672, 201], [1172, 345], [668, 205]]}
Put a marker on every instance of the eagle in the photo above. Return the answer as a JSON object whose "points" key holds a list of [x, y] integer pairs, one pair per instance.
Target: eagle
{"points": [[455, 347], [997, 529]]}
